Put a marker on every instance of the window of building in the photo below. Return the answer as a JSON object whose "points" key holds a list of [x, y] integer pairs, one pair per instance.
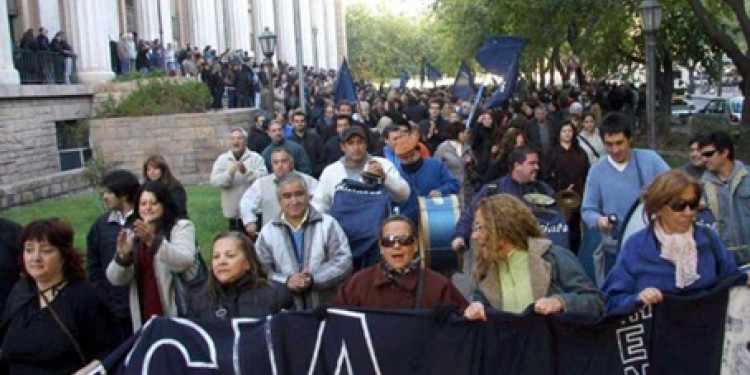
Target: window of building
{"points": [[72, 144]]}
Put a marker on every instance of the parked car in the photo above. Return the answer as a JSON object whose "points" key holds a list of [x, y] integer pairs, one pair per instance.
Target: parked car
{"points": [[681, 110], [725, 111]]}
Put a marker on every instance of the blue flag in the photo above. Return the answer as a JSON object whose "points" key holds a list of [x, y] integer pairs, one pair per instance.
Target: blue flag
{"points": [[499, 56], [404, 76], [343, 87], [464, 87], [432, 73]]}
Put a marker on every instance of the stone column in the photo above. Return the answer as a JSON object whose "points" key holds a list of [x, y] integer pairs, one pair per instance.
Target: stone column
{"points": [[147, 15], [87, 40], [8, 73], [339, 10], [238, 24], [202, 23], [329, 35], [285, 32], [221, 24], [264, 13], [306, 32]]}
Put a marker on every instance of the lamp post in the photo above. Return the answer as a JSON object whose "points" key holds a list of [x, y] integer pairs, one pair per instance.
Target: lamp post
{"points": [[267, 44], [650, 12]]}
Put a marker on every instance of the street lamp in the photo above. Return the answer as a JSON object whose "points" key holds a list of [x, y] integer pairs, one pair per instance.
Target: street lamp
{"points": [[267, 44], [650, 12]]}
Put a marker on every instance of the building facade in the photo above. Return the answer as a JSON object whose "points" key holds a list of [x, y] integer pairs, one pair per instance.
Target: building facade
{"points": [[221, 24], [43, 145]]}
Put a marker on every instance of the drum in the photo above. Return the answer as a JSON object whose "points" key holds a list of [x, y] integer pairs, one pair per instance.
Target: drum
{"points": [[437, 223]]}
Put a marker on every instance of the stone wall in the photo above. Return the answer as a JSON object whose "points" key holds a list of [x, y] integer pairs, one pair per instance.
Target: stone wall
{"points": [[29, 158], [189, 142]]}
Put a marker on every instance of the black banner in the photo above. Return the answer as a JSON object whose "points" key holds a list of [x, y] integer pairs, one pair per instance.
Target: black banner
{"points": [[683, 335]]}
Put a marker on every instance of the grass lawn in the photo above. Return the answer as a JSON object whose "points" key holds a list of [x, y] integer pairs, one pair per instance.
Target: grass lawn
{"points": [[204, 206]]}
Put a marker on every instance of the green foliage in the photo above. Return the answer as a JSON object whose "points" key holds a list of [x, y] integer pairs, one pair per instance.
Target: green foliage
{"points": [[204, 206], [381, 44], [134, 76], [159, 97]]}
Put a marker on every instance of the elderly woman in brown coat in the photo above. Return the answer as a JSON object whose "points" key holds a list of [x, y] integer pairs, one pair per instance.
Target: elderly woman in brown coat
{"points": [[394, 283]]}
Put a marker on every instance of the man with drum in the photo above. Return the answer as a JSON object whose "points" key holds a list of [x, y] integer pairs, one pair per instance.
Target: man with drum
{"points": [[520, 181], [356, 162], [427, 177]]}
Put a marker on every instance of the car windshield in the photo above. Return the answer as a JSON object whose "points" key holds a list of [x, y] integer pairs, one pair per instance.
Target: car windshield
{"points": [[737, 106]]}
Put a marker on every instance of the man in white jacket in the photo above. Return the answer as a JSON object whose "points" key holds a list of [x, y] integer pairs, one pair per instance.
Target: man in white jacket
{"points": [[352, 165], [233, 172]]}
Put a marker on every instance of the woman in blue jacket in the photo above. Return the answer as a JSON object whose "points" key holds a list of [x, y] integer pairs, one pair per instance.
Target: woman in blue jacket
{"points": [[670, 255]]}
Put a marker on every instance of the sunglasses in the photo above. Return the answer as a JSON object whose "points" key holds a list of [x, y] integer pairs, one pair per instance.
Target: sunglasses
{"points": [[679, 205], [403, 240], [708, 154]]}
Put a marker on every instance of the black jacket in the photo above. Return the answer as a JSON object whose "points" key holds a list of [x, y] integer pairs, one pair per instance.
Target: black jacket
{"points": [[238, 300], [10, 257], [258, 140], [101, 246]]}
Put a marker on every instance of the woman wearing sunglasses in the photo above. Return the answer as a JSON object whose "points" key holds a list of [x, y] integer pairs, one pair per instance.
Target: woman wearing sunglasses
{"points": [[398, 281], [670, 255]]}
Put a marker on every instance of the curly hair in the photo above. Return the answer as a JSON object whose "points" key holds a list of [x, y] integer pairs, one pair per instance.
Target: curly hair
{"points": [[506, 220]]}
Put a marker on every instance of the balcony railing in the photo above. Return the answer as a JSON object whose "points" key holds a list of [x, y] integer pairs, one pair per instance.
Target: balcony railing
{"points": [[44, 67]]}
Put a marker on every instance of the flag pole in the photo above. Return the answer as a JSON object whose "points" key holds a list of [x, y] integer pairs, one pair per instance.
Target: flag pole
{"points": [[476, 100]]}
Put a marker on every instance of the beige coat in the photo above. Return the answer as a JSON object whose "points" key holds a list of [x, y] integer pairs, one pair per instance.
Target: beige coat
{"points": [[175, 255], [234, 185]]}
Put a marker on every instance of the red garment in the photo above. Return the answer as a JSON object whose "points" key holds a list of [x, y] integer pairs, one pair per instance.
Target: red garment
{"points": [[423, 150], [371, 288], [148, 290]]}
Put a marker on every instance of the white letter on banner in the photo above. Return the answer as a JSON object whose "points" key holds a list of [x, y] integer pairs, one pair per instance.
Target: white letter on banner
{"points": [[344, 353], [191, 363]]}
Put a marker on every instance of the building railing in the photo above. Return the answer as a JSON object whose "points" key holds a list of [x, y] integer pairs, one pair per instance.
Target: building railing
{"points": [[44, 67]]}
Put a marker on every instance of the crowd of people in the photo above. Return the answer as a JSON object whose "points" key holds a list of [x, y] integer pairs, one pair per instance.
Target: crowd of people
{"points": [[41, 60], [288, 182]]}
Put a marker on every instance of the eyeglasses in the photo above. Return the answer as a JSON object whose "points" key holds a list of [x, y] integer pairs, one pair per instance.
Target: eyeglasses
{"points": [[391, 240], [477, 226], [679, 205], [708, 154]]}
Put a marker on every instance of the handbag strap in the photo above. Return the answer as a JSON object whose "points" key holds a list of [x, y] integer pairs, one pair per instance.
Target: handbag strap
{"points": [[65, 330], [588, 144]]}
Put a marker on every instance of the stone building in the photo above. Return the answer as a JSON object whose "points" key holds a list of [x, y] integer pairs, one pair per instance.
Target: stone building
{"points": [[38, 156]]}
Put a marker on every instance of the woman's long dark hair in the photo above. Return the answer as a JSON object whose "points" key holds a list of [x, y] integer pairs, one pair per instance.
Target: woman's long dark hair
{"points": [[158, 161], [161, 192]]}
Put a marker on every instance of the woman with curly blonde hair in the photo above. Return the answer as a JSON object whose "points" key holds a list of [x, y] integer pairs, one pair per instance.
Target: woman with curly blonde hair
{"points": [[517, 267]]}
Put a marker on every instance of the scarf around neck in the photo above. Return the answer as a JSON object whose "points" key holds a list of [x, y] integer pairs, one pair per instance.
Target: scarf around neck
{"points": [[681, 250]]}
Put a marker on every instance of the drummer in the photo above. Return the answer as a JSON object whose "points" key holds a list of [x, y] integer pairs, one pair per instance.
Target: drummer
{"points": [[520, 181], [427, 177], [394, 282]]}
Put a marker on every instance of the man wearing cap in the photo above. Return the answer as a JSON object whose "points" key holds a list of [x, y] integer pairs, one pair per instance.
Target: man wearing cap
{"points": [[356, 161]]}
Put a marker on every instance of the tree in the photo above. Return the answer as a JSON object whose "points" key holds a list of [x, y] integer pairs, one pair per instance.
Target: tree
{"points": [[380, 43], [717, 17]]}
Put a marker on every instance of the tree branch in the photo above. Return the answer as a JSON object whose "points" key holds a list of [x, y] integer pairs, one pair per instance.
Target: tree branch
{"points": [[722, 39], [738, 7]]}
